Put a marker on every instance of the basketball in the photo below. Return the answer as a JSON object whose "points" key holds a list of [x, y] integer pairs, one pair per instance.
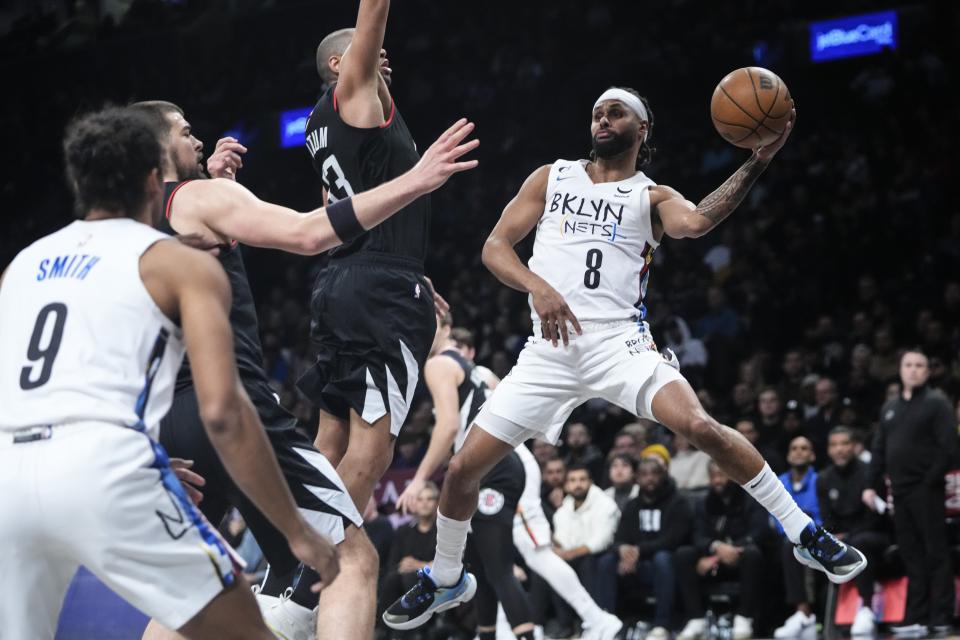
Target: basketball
{"points": [[750, 107]]}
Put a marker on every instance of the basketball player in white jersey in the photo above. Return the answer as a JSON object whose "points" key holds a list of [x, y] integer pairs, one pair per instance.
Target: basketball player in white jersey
{"points": [[598, 222], [92, 326], [531, 530]]}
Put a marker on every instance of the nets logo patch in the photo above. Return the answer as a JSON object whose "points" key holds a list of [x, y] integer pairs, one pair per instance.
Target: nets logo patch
{"points": [[491, 502]]}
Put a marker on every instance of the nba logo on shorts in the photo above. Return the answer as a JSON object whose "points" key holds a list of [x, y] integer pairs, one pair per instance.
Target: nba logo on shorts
{"points": [[491, 502], [416, 291]]}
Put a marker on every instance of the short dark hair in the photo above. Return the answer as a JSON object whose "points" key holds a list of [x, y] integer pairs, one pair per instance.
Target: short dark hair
{"points": [[334, 43], [108, 155], [842, 430], [626, 458], [579, 466], [645, 155], [463, 337], [157, 111]]}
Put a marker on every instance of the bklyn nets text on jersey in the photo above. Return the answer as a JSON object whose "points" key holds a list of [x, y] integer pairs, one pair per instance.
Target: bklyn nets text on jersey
{"points": [[605, 217]]}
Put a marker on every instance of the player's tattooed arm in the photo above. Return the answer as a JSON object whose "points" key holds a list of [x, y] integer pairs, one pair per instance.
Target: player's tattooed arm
{"points": [[677, 217], [728, 196]]}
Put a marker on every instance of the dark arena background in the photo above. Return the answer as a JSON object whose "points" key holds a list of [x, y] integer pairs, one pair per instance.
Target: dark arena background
{"points": [[789, 319]]}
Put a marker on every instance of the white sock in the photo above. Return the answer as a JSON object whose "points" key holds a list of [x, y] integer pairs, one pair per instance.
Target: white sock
{"points": [[564, 581], [767, 489], [451, 540]]}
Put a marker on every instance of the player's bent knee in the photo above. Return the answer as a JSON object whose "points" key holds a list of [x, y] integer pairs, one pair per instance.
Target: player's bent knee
{"points": [[461, 474], [706, 434]]}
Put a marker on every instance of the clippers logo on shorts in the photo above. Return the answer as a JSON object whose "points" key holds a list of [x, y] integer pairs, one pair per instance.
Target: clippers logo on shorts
{"points": [[491, 502]]}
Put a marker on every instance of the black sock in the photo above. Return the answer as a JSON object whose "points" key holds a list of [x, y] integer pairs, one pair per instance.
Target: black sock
{"points": [[527, 635], [487, 635], [301, 588], [275, 583]]}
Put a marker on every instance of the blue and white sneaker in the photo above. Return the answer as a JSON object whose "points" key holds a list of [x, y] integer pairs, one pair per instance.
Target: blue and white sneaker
{"points": [[419, 604], [820, 550]]}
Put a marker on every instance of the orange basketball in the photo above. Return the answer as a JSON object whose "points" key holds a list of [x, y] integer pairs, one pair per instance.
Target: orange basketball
{"points": [[750, 107]]}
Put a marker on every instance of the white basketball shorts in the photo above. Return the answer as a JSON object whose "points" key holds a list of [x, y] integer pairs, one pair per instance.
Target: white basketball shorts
{"points": [[99, 495], [615, 361]]}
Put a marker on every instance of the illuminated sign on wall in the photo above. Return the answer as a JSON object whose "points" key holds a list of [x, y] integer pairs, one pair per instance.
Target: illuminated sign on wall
{"points": [[853, 36], [293, 124]]}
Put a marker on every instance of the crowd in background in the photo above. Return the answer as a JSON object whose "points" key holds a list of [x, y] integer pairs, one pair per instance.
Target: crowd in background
{"points": [[789, 319]]}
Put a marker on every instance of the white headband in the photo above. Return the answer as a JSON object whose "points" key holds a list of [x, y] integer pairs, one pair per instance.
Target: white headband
{"points": [[626, 98]]}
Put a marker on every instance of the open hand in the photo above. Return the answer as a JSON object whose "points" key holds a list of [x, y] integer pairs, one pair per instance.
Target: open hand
{"points": [[440, 161], [407, 499], [317, 552], [554, 314]]}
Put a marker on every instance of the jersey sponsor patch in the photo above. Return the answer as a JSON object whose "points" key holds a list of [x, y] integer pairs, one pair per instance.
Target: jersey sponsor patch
{"points": [[491, 502]]}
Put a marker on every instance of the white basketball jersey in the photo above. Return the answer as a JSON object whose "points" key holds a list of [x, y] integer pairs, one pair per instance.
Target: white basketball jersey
{"points": [[80, 337], [595, 243]]}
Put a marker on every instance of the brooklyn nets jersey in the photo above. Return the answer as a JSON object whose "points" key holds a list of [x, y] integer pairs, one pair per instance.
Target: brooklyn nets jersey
{"points": [[595, 243], [351, 160], [472, 392], [80, 337]]}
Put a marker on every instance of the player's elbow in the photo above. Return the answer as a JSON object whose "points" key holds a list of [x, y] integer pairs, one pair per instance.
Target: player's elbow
{"points": [[696, 227], [490, 251], [310, 244], [309, 237], [220, 415]]}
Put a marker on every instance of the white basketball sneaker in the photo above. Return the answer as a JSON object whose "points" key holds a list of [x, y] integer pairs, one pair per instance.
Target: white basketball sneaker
{"points": [[605, 627], [287, 619]]}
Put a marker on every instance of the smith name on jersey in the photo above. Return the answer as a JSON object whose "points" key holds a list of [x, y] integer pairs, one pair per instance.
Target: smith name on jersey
{"points": [[81, 339], [594, 243]]}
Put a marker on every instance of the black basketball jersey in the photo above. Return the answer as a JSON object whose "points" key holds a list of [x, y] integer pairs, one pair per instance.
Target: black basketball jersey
{"points": [[472, 394], [243, 313], [351, 160]]}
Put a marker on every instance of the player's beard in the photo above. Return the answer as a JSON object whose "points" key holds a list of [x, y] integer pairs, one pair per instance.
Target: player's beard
{"points": [[614, 145], [187, 170]]}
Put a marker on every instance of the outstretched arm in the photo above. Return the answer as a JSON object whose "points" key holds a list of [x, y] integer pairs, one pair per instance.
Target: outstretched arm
{"points": [[443, 375], [359, 83], [229, 210], [680, 218]]}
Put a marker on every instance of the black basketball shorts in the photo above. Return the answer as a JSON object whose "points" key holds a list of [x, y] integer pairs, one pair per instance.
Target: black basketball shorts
{"points": [[373, 325], [316, 487], [500, 491]]}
